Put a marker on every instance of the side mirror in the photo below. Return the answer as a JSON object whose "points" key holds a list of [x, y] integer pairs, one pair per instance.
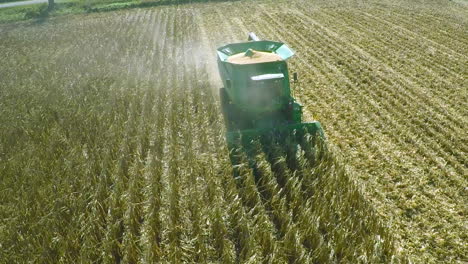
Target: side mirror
{"points": [[295, 77]]}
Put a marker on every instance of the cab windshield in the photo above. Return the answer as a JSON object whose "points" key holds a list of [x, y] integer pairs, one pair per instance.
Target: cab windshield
{"points": [[265, 90]]}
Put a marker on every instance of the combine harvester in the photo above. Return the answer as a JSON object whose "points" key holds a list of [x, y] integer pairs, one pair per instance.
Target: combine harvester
{"points": [[256, 99]]}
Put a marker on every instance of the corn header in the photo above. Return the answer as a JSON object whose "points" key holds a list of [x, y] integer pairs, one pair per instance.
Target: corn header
{"points": [[256, 98]]}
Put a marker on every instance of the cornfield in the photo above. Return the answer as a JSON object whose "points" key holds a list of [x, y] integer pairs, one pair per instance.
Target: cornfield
{"points": [[112, 143]]}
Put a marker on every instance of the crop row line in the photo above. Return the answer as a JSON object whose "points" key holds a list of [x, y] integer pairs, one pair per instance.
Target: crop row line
{"points": [[395, 41], [416, 120], [403, 95], [320, 97], [351, 77], [419, 23]]}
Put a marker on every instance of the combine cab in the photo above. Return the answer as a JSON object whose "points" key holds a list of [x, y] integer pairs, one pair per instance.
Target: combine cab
{"points": [[256, 98]]}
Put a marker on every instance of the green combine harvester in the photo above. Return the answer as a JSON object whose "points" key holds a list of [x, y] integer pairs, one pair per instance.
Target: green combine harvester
{"points": [[256, 98]]}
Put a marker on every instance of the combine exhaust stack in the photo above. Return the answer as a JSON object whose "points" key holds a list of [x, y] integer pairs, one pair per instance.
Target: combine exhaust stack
{"points": [[256, 98]]}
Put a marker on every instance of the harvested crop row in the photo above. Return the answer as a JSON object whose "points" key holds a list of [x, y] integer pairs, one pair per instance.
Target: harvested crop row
{"points": [[429, 69], [444, 27], [401, 96], [453, 153], [442, 140], [451, 149]]}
